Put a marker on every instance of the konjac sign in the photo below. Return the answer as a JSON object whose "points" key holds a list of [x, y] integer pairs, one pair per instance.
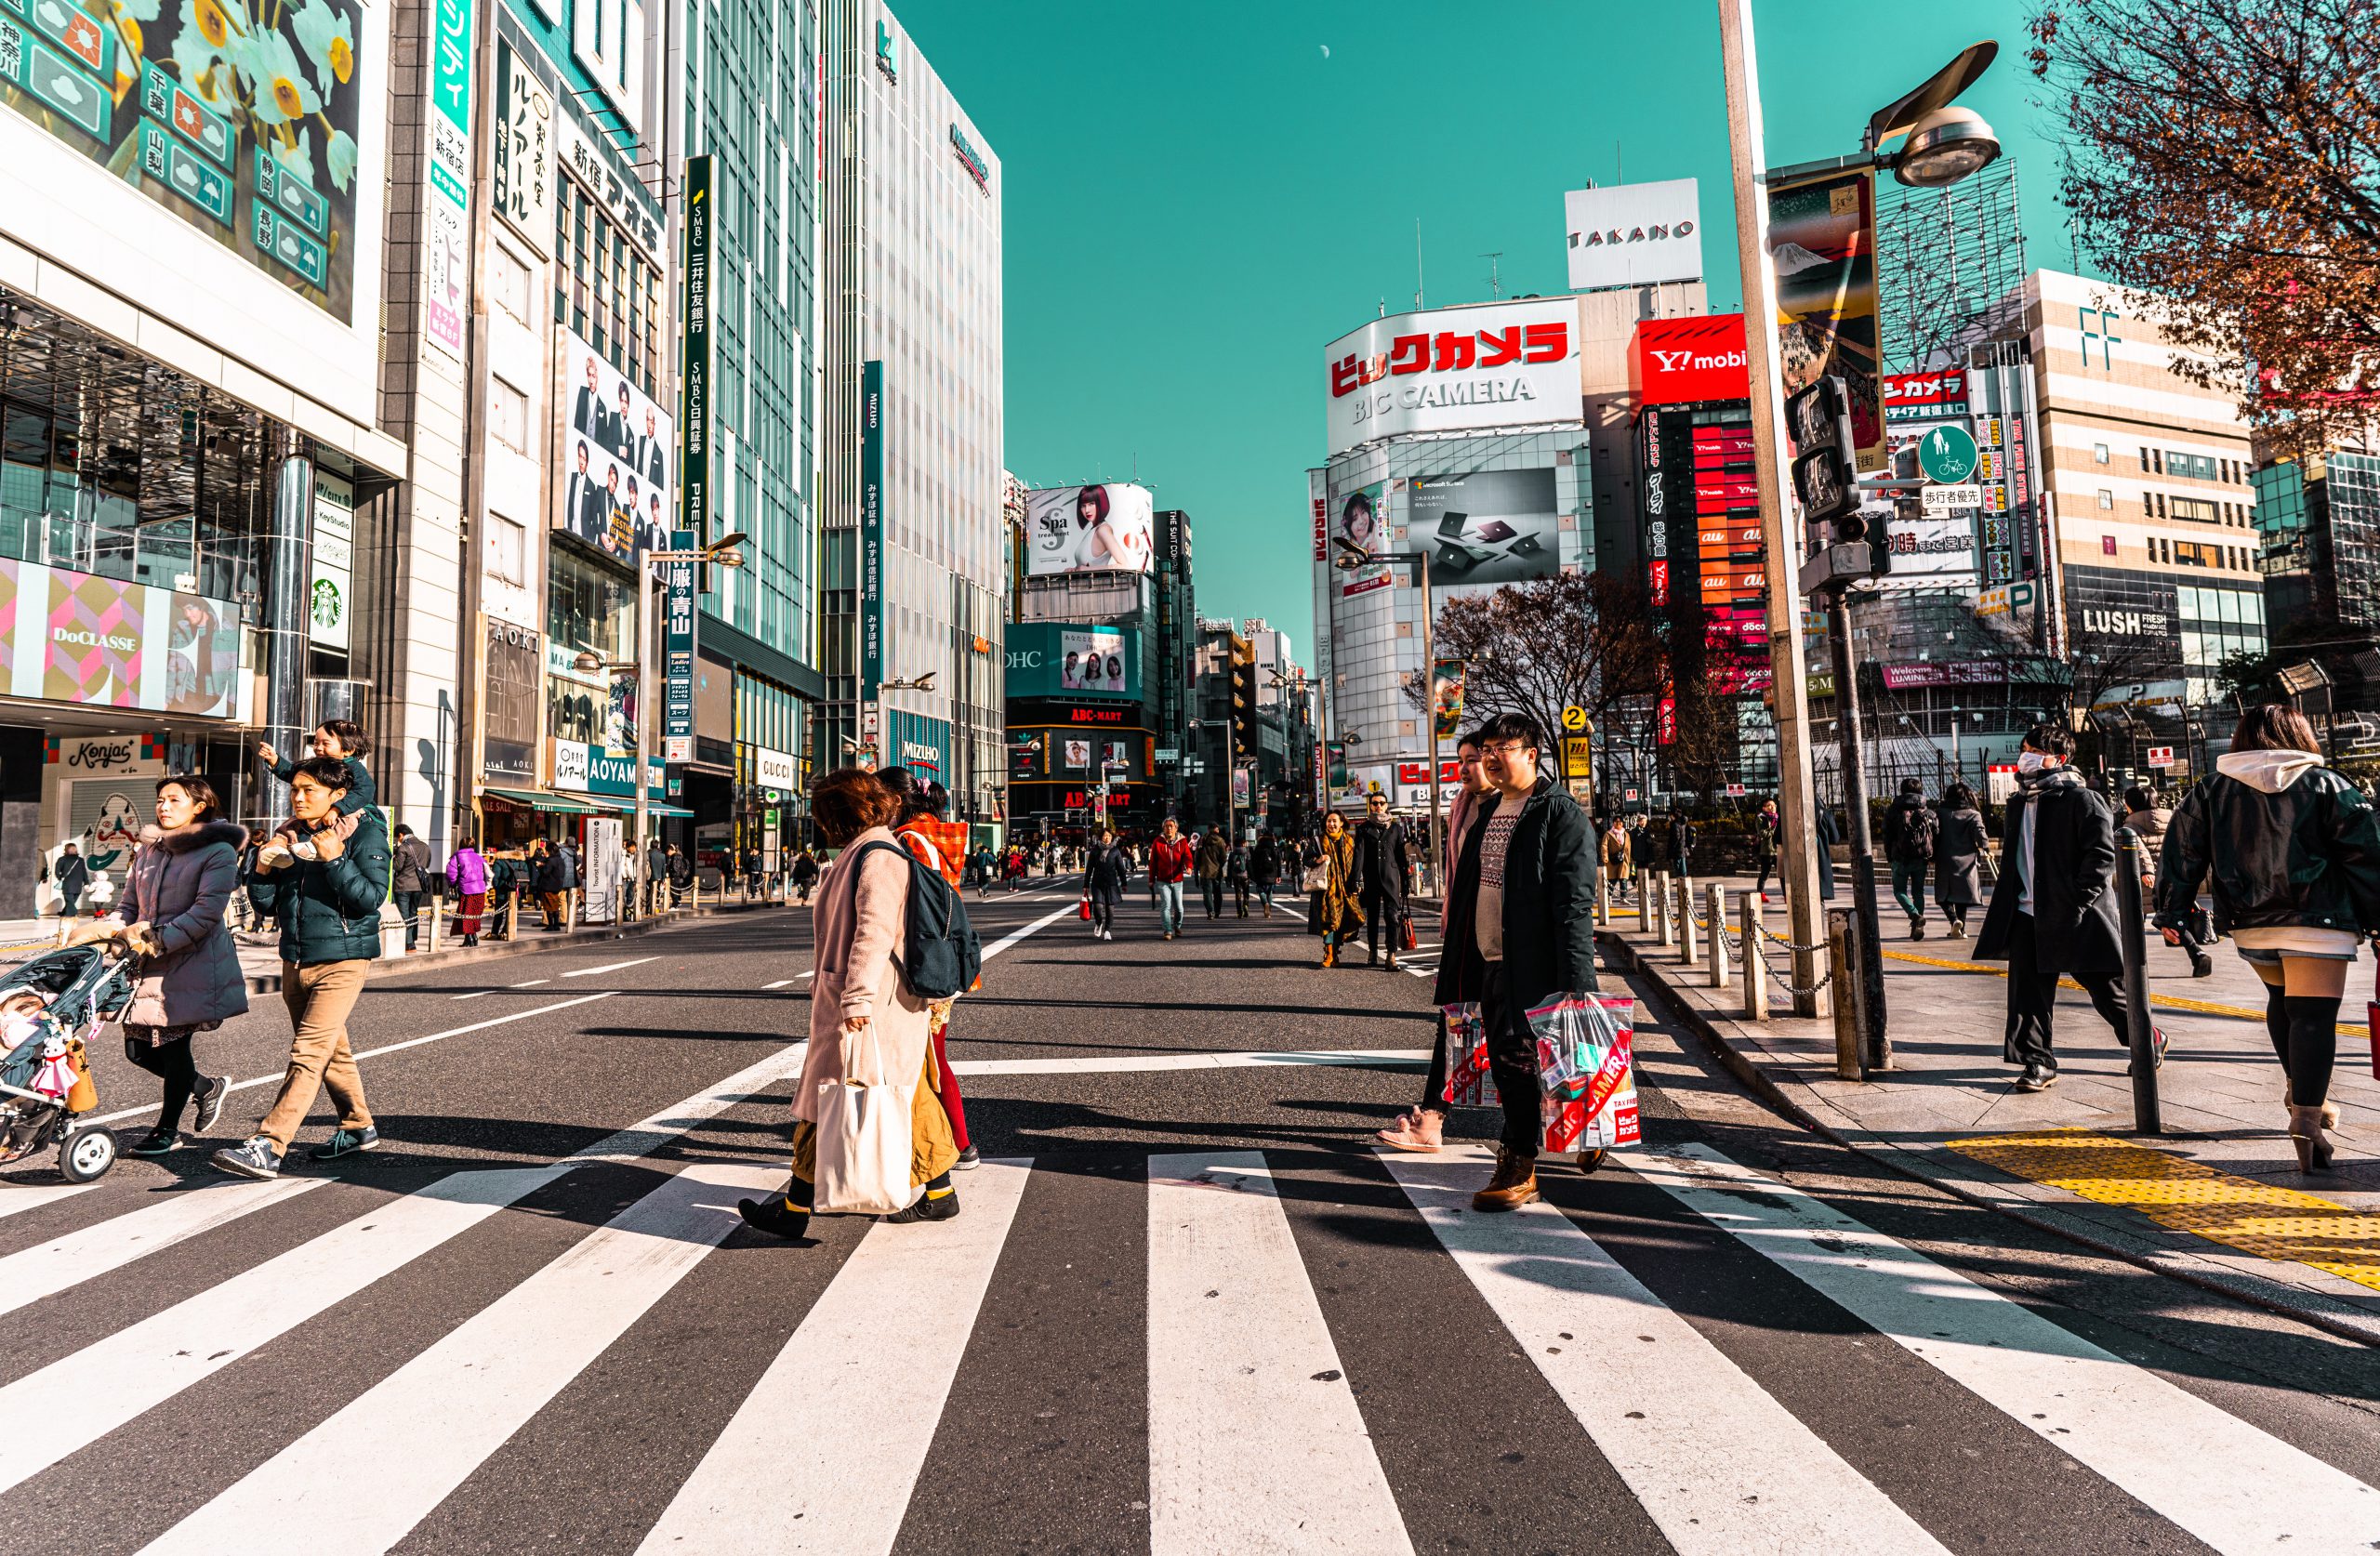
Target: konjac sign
{"points": [[1682, 362], [1454, 369]]}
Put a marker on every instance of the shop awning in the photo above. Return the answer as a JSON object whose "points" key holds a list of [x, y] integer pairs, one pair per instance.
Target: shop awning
{"points": [[539, 799], [627, 807]]}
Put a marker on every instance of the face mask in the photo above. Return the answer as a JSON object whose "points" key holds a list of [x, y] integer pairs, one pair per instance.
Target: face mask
{"points": [[2031, 761]]}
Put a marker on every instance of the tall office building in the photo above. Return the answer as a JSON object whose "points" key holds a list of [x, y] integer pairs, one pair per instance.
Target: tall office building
{"points": [[915, 496]]}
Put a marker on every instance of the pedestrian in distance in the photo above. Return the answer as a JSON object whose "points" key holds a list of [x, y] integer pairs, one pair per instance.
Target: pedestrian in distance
{"points": [[938, 843], [1909, 847], [1619, 868], [1958, 857], [1105, 869], [1383, 879], [1531, 886], [2292, 850], [1264, 868], [554, 879], [171, 914], [1424, 1128], [753, 881], [656, 872], [1235, 875], [71, 876], [1644, 851], [984, 866], [1338, 896], [328, 907], [1768, 840], [2148, 820], [1172, 858], [860, 1005], [2052, 912], [1214, 859], [804, 873], [1676, 845], [681, 874], [410, 862], [468, 875]]}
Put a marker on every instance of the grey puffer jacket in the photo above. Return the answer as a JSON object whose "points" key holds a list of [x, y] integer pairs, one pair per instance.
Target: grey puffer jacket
{"points": [[180, 885]]}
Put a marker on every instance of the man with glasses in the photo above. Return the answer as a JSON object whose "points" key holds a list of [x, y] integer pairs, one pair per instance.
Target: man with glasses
{"points": [[1526, 873], [1383, 873]]}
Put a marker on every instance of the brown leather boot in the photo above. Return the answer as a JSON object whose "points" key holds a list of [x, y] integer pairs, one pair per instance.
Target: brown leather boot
{"points": [[1514, 1185], [1330, 954]]}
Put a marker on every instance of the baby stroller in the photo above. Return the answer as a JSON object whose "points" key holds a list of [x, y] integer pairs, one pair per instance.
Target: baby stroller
{"points": [[51, 1006]]}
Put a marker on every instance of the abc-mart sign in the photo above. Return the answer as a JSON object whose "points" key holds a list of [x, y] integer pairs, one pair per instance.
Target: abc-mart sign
{"points": [[1453, 370]]}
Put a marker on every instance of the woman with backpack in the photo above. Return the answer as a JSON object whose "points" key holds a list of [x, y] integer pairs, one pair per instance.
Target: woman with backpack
{"points": [[940, 846], [2293, 851], [1264, 869], [860, 1003]]}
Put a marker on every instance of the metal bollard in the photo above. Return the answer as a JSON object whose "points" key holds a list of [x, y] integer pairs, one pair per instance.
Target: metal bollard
{"points": [[1657, 889], [1715, 913], [2147, 1116], [1755, 961], [1688, 935], [1841, 962], [1603, 902], [430, 942]]}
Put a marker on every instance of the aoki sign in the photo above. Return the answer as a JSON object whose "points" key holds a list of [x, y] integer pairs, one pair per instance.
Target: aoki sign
{"points": [[1492, 364]]}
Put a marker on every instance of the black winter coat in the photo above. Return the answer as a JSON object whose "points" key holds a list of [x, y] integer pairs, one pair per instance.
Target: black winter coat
{"points": [[2074, 862], [329, 910], [1909, 831], [1550, 869], [1382, 863], [1264, 863], [1104, 871], [2307, 856]]}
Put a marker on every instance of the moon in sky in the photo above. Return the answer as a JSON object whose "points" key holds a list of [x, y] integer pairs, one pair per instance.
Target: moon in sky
{"points": [[1326, 51]]}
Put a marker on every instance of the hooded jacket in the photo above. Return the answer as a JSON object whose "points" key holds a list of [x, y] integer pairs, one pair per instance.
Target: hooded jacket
{"points": [[178, 886], [329, 909], [2286, 842]]}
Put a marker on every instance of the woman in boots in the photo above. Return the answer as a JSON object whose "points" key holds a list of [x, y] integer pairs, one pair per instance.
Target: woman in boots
{"points": [[1958, 857], [1335, 906], [2293, 851]]}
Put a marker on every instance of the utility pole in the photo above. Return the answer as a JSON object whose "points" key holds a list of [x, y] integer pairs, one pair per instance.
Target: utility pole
{"points": [[1787, 662]]}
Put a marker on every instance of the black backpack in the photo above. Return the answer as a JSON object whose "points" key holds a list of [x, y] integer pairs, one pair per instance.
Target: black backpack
{"points": [[941, 956]]}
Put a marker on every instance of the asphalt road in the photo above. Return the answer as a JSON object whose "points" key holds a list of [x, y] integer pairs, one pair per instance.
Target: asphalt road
{"points": [[1185, 1308]]}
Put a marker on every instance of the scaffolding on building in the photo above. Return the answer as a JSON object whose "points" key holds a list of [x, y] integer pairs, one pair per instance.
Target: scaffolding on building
{"points": [[1949, 266]]}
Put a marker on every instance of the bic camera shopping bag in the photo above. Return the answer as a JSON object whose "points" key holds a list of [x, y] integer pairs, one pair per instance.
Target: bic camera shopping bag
{"points": [[1469, 1083], [863, 1131], [1585, 1070]]}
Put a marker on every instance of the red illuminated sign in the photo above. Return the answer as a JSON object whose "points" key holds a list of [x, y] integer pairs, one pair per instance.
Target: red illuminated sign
{"points": [[1418, 773], [1451, 351], [1909, 390], [1679, 362], [1660, 570]]}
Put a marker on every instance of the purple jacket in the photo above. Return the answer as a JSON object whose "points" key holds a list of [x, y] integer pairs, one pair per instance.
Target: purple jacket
{"points": [[467, 870]]}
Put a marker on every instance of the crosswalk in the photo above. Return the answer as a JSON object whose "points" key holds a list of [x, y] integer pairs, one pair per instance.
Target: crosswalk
{"points": [[1186, 1352]]}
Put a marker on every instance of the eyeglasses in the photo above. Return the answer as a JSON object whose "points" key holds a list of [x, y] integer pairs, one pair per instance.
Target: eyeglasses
{"points": [[1506, 748]]}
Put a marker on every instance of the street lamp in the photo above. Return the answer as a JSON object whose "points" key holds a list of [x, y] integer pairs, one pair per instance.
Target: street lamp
{"points": [[1937, 148], [1351, 557]]}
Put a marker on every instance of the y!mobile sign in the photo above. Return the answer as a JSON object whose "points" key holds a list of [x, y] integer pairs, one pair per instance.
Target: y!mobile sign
{"points": [[1680, 362], [1453, 369]]}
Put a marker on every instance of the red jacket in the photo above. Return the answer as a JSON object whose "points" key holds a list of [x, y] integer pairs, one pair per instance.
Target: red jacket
{"points": [[1170, 861]]}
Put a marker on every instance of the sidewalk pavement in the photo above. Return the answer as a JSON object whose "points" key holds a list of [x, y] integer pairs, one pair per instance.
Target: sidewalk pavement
{"points": [[2216, 1199], [260, 959]]}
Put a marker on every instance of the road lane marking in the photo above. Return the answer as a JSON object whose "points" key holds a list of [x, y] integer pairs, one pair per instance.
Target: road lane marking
{"points": [[2236, 1489], [1041, 923], [1716, 1462], [275, 1078], [427, 1426], [782, 982], [1255, 1440], [1379, 1059], [89, 1392], [89, 1252], [608, 967], [533, 983], [15, 1198], [835, 1432]]}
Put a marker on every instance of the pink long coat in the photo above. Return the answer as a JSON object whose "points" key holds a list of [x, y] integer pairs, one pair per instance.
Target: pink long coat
{"points": [[857, 934]]}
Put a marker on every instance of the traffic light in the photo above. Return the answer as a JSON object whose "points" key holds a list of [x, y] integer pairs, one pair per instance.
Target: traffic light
{"points": [[1819, 420], [1243, 699]]}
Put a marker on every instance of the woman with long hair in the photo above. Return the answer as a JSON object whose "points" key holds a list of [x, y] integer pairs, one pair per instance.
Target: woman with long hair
{"points": [[2293, 851], [1335, 907], [1098, 542], [940, 844], [1359, 521]]}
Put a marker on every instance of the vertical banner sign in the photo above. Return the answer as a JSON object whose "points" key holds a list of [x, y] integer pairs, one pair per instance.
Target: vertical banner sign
{"points": [[446, 241], [678, 653], [1445, 697], [871, 532], [694, 423], [1822, 238]]}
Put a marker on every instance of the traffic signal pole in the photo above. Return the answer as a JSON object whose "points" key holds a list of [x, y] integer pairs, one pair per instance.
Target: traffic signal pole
{"points": [[1876, 1048], [1786, 658]]}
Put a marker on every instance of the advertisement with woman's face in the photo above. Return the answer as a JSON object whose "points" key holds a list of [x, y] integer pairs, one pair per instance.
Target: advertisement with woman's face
{"points": [[1104, 527]]}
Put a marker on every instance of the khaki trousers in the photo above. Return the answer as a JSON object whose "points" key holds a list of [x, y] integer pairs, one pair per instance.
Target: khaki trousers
{"points": [[319, 998]]}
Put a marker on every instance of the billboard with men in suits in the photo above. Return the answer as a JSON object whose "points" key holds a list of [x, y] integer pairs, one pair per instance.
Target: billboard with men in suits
{"points": [[619, 455]]}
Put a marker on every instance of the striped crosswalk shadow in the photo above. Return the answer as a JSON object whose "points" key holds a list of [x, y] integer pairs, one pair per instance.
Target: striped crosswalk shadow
{"points": [[1288, 1351]]}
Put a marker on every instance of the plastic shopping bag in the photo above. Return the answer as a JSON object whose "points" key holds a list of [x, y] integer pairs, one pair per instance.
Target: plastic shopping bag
{"points": [[863, 1132], [1469, 1083], [1585, 1066]]}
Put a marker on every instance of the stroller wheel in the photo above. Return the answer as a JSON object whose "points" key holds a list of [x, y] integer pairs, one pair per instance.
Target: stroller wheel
{"points": [[85, 1154]]}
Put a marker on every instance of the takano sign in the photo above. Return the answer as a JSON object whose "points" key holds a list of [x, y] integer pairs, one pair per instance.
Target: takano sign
{"points": [[1454, 369]]}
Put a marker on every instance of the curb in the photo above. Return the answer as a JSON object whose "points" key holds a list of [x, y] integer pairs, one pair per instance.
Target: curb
{"points": [[527, 944], [2174, 1259]]}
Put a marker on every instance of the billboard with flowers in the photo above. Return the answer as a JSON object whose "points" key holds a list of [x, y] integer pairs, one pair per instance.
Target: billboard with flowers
{"points": [[240, 116]]}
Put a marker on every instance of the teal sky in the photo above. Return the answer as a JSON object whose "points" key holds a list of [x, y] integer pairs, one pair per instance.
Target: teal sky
{"points": [[1198, 200]]}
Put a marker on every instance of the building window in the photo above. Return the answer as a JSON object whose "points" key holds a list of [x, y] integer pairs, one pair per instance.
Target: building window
{"points": [[508, 279], [2144, 458], [2099, 453], [2190, 553], [2193, 510], [509, 411], [508, 550], [2108, 543], [2107, 498], [2192, 466], [605, 291]]}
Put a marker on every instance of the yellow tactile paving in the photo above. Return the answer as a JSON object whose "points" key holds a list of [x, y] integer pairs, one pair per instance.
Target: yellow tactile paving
{"points": [[2264, 1220], [2168, 1002]]}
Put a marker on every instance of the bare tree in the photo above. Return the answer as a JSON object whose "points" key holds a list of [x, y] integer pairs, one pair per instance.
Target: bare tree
{"points": [[1578, 639], [2225, 158]]}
